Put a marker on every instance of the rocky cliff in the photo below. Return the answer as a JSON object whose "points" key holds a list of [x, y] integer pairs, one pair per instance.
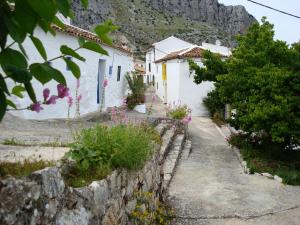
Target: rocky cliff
{"points": [[143, 22], [232, 19]]}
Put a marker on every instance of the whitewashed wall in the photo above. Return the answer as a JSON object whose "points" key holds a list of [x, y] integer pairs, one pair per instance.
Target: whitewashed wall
{"points": [[161, 49], [193, 94], [181, 87], [89, 74]]}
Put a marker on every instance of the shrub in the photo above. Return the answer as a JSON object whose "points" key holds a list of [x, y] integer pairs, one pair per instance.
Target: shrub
{"points": [[148, 211], [178, 112], [214, 104], [96, 151], [137, 88]]}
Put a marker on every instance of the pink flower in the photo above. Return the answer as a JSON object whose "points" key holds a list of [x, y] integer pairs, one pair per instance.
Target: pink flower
{"points": [[79, 97], [78, 84], [70, 101], [46, 93], [154, 98], [52, 100], [36, 107], [62, 90], [105, 83]]}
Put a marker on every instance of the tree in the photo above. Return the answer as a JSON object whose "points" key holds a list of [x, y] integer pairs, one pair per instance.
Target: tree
{"points": [[261, 80], [18, 20]]}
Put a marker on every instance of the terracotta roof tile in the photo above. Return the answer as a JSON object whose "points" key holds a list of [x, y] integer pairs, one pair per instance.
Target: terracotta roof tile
{"points": [[194, 52], [78, 32], [172, 55]]}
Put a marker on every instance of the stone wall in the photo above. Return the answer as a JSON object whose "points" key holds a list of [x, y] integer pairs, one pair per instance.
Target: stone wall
{"points": [[43, 197]]}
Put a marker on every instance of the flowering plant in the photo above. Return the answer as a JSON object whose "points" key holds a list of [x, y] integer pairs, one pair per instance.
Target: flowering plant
{"points": [[179, 112], [62, 92]]}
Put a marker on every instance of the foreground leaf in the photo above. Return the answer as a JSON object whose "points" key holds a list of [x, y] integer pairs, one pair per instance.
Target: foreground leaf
{"points": [[68, 51], [39, 46], [3, 104], [73, 67], [94, 47], [17, 90]]}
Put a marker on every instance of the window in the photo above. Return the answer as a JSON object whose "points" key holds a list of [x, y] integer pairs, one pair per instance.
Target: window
{"points": [[149, 67], [70, 59], [119, 73]]}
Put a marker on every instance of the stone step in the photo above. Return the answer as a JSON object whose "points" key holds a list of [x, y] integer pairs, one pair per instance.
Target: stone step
{"points": [[161, 128], [187, 149], [172, 159], [167, 140]]}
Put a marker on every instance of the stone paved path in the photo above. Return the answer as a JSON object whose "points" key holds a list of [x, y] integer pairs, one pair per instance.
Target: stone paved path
{"points": [[210, 188]]}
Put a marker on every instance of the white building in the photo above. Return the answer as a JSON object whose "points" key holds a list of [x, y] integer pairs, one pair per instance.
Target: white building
{"points": [[94, 70], [159, 50], [171, 74]]}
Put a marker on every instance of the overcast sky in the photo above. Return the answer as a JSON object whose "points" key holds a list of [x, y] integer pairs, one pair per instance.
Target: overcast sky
{"points": [[287, 28]]}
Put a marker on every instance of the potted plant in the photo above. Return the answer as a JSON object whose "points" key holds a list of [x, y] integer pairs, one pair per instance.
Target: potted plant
{"points": [[136, 98]]}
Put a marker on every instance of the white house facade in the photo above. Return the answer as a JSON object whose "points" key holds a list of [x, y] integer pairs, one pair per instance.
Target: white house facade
{"points": [[94, 71], [173, 80], [159, 50]]}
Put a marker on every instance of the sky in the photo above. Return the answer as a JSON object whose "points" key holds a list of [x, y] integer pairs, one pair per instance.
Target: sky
{"points": [[287, 28]]}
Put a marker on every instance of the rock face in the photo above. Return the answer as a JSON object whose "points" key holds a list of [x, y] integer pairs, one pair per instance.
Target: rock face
{"points": [[143, 22], [232, 19]]}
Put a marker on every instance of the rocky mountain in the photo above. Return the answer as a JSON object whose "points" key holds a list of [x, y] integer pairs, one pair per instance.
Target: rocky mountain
{"points": [[143, 22]]}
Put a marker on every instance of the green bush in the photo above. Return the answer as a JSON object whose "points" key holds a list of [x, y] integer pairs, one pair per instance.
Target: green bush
{"points": [[214, 103], [103, 149], [178, 112], [264, 156]]}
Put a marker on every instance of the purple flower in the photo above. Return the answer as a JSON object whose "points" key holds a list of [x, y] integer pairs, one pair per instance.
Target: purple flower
{"points": [[62, 91], [153, 98], [70, 101], [36, 107], [79, 97], [52, 100], [46, 93], [105, 83]]}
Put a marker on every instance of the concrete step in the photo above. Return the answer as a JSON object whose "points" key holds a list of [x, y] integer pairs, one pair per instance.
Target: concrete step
{"points": [[161, 128], [187, 149], [172, 159]]}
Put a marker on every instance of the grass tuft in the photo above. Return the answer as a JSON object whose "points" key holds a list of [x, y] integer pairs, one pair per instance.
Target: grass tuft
{"points": [[22, 169]]}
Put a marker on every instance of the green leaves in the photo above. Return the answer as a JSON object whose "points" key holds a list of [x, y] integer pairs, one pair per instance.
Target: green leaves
{"points": [[46, 9], [44, 73], [3, 104], [102, 31], [68, 51], [94, 47], [17, 90], [64, 7], [73, 67], [12, 58], [39, 46], [30, 91]]}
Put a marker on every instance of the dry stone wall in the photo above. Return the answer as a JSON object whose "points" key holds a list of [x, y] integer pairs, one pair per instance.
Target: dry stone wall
{"points": [[43, 197]]}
